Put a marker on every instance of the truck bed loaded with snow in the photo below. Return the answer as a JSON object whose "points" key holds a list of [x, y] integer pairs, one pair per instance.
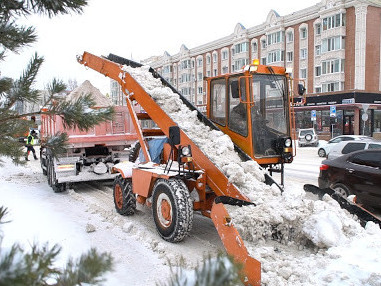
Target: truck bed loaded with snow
{"points": [[90, 155]]}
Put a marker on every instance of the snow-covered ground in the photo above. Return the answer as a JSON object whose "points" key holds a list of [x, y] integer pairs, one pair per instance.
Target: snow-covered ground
{"points": [[141, 256]]}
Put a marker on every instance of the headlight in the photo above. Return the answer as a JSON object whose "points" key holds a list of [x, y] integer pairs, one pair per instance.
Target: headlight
{"points": [[287, 142], [185, 151]]}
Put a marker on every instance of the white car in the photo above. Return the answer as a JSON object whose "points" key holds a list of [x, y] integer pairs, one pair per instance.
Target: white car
{"points": [[307, 137], [326, 148], [345, 147]]}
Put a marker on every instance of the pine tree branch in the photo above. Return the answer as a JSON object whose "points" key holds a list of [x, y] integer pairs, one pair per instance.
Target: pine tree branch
{"points": [[13, 37], [87, 269], [22, 88], [55, 7]]}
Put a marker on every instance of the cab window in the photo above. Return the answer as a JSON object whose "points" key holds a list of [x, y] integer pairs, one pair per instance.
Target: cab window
{"points": [[218, 101], [237, 109]]}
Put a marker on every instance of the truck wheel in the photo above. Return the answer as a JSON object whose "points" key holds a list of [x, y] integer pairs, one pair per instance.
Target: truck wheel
{"points": [[43, 163], [172, 209], [124, 198], [134, 152], [52, 180]]}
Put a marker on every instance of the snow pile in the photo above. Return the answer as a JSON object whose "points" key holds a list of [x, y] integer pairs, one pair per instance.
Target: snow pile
{"points": [[297, 240], [87, 88]]}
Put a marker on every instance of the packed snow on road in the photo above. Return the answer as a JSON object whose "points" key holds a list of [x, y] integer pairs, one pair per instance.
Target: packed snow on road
{"points": [[298, 240]]}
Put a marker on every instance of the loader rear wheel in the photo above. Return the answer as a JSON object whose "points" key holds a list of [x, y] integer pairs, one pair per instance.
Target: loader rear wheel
{"points": [[124, 199], [172, 209]]}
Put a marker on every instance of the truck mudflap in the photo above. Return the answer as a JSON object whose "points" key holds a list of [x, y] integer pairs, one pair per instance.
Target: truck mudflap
{"points": [[362, 214], [233, 243]]}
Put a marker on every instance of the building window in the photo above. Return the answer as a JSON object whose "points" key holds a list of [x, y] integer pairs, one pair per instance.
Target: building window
{"points": [[318, 50], [167, 69], [318, 29], [303, 73], [199, 90], [275, 56], [185, 78], [199, 76], [333, 44], [239, 64], [303, 33], [334, 21], [263, 61], [208, 59], [332, 66], [255, 47], [263, 44], [208, 73], [215, 72], [186, 64], [290, 37], [303, 54], [225, 55], [332, 86], [242, 47], [290, 56], [214, 58], [225, 69], [317, 70], [318, 89], [274, 38], [199, 62]]}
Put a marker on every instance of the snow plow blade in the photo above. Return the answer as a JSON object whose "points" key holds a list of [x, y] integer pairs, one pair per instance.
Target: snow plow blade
{"points": [[363, 215], [233, 243]]}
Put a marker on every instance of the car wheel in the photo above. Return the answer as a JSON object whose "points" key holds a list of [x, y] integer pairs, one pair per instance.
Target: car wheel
{"points": [[341, 189], [308, 137], [321, 152]]}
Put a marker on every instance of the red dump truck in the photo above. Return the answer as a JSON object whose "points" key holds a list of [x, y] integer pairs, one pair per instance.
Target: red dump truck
{"points": [[90, 154]]}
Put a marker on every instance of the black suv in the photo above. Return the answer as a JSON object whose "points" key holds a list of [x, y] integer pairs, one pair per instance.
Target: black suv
{"points": [[357, 173]]}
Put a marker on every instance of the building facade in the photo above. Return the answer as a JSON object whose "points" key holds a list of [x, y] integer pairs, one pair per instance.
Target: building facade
{"points": [[334, 47]]}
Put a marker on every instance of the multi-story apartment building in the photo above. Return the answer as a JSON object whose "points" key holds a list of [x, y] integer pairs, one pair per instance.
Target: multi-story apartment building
{"points": [[333, 46]]}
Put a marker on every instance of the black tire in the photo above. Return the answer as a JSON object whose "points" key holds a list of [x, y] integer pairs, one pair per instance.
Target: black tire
{"points": [[172, 196], [308, 137], [134, 153], [124, 198], [43, 163], [321, 152], [341, 189], [52, 180]]}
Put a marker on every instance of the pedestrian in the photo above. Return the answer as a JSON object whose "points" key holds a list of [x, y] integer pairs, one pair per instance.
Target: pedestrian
{"points": [[29, 145]]}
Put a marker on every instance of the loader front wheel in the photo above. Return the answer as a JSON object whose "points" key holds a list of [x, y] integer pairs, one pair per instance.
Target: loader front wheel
{"points": [[172, 209], [124, 199]]}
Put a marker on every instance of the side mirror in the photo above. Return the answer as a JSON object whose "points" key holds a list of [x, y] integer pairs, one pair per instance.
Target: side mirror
{"points": [[301, 89], [174, 135]]}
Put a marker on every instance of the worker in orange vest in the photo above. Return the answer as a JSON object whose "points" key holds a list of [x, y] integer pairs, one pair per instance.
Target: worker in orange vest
{"points": [[29, 145]]}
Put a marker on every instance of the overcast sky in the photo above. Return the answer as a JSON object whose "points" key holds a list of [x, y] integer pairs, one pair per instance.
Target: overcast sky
{"points": [[135, 29]]}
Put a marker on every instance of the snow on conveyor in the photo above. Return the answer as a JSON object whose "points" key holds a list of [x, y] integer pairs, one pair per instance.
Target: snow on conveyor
{"points": [[297, 240]]}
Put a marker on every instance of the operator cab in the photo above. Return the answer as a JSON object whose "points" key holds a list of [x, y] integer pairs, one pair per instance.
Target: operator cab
{"points": [[253, 108]]}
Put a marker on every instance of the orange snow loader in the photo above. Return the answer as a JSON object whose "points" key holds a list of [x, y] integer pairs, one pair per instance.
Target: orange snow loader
{"points": [[184, 179]]}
